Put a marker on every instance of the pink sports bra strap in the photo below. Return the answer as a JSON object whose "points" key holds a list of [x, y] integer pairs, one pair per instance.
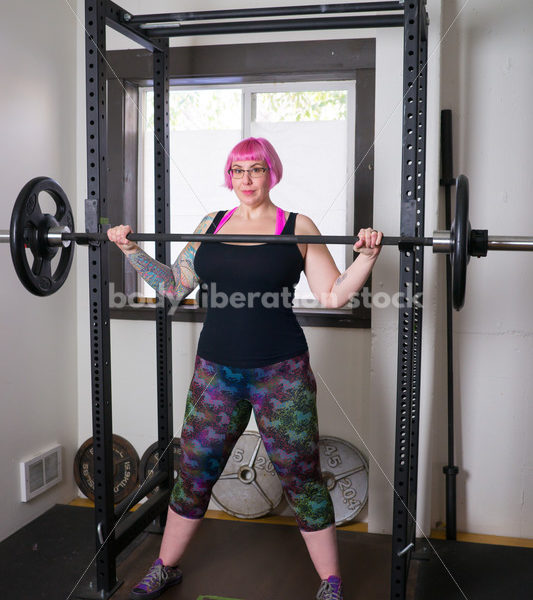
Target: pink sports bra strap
{"points": [[225, 218], [280, 220]]}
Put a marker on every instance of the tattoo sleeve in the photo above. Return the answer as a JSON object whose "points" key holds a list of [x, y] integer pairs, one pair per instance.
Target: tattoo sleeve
{"points": [[341, 278], [174, 282]]}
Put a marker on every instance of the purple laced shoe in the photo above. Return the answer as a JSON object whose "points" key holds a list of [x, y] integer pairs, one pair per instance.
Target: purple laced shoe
{"points": [[330, 589], [156, 581]]}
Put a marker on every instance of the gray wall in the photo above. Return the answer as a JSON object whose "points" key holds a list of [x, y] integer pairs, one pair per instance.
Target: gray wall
{"points": [[481, 69], [355, 368], [38, 367], [487, 63]]}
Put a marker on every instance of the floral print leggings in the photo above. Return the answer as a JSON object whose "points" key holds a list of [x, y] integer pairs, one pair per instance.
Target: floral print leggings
{"points": [[218, 408]]}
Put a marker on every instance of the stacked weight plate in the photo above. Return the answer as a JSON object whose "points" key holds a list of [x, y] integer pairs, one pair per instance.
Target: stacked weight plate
{"points": [[249, 486]]}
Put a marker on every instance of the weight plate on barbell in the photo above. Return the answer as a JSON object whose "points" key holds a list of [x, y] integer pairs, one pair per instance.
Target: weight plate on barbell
{"points": [[345, 472], [29, 229], [460, 235], [125, 468], [249, 486], [150, 459]]}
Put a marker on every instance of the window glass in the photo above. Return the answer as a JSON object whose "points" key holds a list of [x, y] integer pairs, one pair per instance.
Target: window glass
{"points": [[210, 121], [310, 125], [308, 129], [320, 105]]}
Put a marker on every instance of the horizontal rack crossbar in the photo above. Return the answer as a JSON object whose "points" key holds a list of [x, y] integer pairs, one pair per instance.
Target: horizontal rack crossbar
{"points": [[360, 22], [278, 11]]}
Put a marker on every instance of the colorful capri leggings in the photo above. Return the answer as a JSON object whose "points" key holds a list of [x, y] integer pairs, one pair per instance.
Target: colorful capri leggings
{"points": [[218, 408]]}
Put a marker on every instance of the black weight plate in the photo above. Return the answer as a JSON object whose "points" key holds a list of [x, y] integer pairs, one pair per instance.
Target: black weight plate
{"points": [[28, 229], [461, 240], [125, 468], [150, 459]]}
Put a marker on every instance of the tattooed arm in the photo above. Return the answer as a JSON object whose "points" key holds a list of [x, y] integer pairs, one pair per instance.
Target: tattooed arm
{"points": [[331, 288], [174, 282]]}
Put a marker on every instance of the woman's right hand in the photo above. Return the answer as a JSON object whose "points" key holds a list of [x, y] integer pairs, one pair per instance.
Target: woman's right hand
{"points": [[118, 236]]}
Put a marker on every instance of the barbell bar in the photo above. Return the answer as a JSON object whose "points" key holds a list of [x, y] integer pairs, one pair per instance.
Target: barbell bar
{"points": [[85, 238], [440, 242], [44, 235]]}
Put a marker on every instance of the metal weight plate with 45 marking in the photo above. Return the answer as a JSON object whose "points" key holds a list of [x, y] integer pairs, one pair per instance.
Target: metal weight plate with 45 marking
{"points": [[249, 486], [345, 472]]}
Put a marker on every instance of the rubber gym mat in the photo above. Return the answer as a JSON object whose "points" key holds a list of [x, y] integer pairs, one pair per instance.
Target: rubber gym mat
{"points": [[46, 558], [215, 598], [254, 561], [229, 560], [484, 571]]}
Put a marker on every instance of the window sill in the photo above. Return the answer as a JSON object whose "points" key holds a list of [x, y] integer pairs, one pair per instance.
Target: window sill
{"points": [[318, 317]]}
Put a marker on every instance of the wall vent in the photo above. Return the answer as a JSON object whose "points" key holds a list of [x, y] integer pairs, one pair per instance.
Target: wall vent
{"points": [[40, 473]]}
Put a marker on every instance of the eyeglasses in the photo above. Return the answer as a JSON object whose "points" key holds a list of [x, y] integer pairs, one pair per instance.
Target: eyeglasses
{"points": [[255, 172]]}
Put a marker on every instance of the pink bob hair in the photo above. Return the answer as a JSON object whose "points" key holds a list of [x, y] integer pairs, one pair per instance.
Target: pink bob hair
{"points": [[255, 149]]}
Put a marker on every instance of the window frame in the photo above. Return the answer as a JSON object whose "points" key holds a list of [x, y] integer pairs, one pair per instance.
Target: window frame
{"points": [[327, 60], [248, 91]]}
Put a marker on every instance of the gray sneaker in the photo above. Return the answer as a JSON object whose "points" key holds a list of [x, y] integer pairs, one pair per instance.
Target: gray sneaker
{"points": [[156, 581], [330, 589]]}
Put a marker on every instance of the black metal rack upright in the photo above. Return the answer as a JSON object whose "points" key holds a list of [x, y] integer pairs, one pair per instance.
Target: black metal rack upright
{"points": [[115, 526], [411, 288]]}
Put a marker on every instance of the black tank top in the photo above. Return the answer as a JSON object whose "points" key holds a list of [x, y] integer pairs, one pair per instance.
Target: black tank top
{"points": [[248, 292]]}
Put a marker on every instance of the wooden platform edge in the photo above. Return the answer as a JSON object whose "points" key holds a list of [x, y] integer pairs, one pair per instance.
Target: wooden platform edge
{"points": [[437, 534], [220, 514], [483, 538]]}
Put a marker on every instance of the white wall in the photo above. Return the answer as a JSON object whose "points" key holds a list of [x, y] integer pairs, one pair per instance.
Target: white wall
{"points": [[484, 74], [38, 368], [487, 62], [358, 366], [485, 69]]}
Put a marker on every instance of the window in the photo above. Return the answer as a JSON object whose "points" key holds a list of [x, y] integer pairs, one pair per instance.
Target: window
{"points": [[310, 125], [291, 93]]}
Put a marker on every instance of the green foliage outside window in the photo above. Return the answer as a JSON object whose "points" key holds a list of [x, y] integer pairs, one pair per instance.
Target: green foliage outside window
{"points": [[221, 109], [301, 106]]}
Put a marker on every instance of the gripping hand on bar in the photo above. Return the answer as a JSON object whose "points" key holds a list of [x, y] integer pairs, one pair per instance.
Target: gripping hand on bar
{"points": [[369, 242], [118, 235]]}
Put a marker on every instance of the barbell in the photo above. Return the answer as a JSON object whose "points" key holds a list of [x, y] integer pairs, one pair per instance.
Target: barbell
{"points": [[44, 235]]}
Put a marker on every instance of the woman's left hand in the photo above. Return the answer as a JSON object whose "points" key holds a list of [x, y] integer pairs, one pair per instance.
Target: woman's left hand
{"points": [[369, 242]]}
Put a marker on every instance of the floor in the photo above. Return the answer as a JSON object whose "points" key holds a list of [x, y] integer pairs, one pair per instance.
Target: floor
{"points": [[236, 560], [249, 561], [466, 571]]}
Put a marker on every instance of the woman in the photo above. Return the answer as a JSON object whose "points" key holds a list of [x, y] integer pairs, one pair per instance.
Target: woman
{"points": [[252, 353]]}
